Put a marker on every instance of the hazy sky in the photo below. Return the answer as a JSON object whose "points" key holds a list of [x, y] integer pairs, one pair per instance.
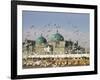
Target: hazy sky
{"points": [[74, 26]]}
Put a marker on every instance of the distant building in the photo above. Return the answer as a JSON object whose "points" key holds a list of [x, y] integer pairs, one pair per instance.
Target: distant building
{"points": [[40, 45], [58, 43], [55, 45]]}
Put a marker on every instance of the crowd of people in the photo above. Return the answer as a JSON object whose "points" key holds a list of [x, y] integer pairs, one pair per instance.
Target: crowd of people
{"points": [[55, 62]]}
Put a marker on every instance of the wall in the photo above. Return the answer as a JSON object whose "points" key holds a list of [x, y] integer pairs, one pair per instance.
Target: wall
{"points": [[5, 29]]}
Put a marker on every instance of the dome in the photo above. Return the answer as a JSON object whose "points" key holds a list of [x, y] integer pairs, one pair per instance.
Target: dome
{"points": [[56, 37], [41, 40]]}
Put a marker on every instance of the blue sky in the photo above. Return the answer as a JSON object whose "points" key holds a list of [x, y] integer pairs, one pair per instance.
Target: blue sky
{"points": [[68, 22]]}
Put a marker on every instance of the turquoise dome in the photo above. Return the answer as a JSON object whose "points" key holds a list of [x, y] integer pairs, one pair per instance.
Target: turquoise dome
{"points": [[56, 37], [41, 40]]}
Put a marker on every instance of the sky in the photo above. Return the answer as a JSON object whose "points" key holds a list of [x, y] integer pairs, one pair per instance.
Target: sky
{"points": [[73, 26]]}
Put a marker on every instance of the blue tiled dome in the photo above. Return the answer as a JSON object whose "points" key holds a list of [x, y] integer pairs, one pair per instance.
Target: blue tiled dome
{"points": [[56, 37], [41, 40]]}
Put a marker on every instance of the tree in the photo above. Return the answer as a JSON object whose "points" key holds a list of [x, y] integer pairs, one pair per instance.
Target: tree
{"points": [[76, 45], [68, 44]]}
